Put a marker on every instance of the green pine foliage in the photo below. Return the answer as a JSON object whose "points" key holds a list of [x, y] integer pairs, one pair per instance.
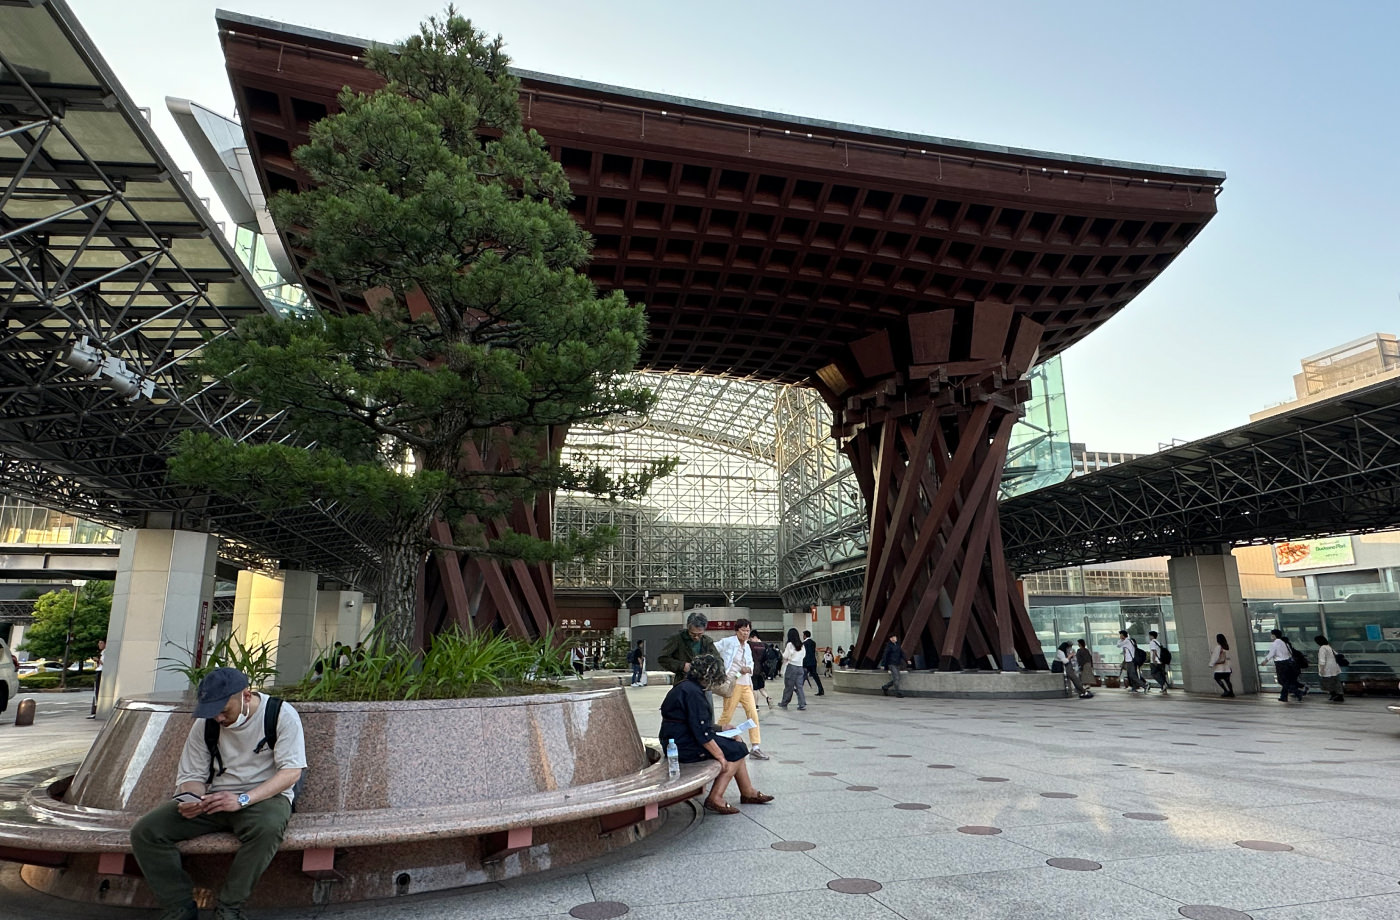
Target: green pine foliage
{"points": [[431, 199]]}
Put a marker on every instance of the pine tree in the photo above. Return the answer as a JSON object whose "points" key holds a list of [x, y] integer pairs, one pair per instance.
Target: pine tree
{"points": [[431, 199]]}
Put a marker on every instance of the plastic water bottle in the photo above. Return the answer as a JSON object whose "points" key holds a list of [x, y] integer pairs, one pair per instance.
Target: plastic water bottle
{"points": [[673, 759]]}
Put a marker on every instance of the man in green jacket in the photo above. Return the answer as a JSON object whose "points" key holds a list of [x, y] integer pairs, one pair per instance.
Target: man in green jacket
{"points": [[686, 645]]}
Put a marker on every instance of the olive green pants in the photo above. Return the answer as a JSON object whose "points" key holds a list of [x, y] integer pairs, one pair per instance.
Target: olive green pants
{"points": [[259, 829]]}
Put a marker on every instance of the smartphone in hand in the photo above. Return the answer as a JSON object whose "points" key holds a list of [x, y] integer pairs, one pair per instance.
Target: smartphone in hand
{"points": [[186, 798]]}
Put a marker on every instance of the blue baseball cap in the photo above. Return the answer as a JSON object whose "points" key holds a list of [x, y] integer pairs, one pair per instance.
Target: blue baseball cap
{"points": [[216, 688]]}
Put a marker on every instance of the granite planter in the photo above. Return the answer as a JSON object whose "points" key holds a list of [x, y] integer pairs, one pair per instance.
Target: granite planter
{"points": [[400, 797]]}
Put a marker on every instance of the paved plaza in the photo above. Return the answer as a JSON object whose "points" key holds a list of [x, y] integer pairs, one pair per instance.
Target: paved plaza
{"points": [[1148, 805]]}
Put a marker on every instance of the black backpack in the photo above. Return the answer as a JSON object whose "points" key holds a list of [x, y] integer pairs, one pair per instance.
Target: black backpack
{"points": [[271, 712], [1164, 654], [1139, 656]]}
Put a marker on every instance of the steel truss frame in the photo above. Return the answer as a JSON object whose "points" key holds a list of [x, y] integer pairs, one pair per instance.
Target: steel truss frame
{"points": [[1326, 469], [103, 246], [709, 527]]}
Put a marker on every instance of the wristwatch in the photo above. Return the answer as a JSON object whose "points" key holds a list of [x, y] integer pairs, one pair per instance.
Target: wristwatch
{"points": [[243, 800]]}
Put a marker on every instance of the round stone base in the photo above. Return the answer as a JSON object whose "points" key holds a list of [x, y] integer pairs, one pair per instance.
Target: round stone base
{"points": [[967, 685]]}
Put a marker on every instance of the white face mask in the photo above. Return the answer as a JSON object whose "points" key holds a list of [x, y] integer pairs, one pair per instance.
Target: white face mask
{"points": [[243, 714]]}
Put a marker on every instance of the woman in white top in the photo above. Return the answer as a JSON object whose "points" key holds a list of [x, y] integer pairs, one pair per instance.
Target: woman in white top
{"points": [[1220, 665], [793, 672], [1281, 654], [1329, 672]]}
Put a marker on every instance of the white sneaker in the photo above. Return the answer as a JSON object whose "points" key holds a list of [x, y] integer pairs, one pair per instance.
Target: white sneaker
{"points": [[757, 754]]}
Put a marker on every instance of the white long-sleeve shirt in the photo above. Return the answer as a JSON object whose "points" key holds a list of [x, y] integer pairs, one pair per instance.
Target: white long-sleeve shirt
{"points": [[1279, 651], [736, 656], [1327, 662], [1220, 660]]}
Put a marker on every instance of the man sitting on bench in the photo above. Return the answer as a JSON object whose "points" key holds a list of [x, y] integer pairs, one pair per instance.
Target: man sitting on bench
{"points": [[237, 771]]}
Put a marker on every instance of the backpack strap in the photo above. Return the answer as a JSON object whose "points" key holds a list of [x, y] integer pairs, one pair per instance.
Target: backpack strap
{"points": [[211, 741], [271, 711]]}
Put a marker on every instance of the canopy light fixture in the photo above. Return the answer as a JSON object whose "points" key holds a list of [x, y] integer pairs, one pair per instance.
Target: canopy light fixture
{"points": [[89, 360]]}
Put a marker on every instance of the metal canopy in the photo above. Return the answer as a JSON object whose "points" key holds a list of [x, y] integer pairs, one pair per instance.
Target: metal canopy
{"points": [[112, 274], [1326, 469]]}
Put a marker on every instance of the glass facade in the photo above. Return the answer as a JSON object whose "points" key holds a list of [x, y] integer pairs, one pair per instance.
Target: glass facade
{"points": [[1098, 623], [23, 522], [709, 527], [252, 250], [1040, 453]]}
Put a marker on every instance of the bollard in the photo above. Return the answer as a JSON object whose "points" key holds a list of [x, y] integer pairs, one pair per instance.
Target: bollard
{"points": [[24, 712]]}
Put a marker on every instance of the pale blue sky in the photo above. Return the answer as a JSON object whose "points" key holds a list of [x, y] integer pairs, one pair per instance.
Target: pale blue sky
{"points": [[1296, 102]]}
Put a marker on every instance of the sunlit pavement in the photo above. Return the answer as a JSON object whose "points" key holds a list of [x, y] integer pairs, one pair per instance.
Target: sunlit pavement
{"points": [[1117, 807]]}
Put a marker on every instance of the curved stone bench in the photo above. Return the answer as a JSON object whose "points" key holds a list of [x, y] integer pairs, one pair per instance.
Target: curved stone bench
{"points": [[957, 684], [549, 780]]}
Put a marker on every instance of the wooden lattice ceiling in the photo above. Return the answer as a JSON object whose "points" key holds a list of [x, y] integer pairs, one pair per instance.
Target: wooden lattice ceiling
{"points": [[762, 244]]}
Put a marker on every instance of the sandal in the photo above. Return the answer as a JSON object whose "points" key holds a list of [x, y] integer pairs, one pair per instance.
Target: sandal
{"points": [[721, 808], [758, 798]]}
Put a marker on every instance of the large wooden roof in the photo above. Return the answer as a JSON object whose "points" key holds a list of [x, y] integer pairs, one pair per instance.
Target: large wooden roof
{"points": [[764, 244]]}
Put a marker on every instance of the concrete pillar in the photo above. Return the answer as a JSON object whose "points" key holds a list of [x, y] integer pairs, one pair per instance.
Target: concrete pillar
{"points": [[831, 627], [339, 618], [279, 609], [1206, 600], [160, 603]]}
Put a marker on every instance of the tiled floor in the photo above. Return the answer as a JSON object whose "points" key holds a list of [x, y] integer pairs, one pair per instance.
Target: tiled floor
{"points": [[1321, 778]]}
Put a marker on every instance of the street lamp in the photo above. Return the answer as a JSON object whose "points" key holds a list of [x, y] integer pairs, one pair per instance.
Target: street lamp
{"points": [[68, 636]]}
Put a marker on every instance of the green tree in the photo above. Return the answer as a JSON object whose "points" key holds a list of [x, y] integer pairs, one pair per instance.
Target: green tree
{"points": [[44, 639], [482, 337]]}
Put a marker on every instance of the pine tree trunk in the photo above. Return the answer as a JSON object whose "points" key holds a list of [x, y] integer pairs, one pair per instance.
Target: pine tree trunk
{"points": [[398, 587]]}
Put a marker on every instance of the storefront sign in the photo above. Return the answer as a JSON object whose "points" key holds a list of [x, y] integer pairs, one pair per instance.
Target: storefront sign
{"points": [[1313, 554]]}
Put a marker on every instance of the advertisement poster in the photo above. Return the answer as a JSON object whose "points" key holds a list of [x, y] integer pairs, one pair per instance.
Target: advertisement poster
{"points": [[1313, 554]]}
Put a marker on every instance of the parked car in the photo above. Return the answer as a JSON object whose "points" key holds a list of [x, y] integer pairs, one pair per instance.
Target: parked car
{"points": [[9, 676], [38, 665]]}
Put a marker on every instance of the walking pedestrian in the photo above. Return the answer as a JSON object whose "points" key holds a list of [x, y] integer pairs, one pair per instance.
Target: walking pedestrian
{"points": [[97, 677], [793, 671], [737, 657], [1281, 654], [638, 659], [1329, 670], [1130, 663], [809, 660], [893, 661], [1155, 656], [1220, 665], [682, 647], [827, 660], [760, 679]]}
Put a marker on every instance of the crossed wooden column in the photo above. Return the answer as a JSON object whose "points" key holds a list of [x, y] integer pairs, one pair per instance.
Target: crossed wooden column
{"points": [[477, 593], [926, 423]]}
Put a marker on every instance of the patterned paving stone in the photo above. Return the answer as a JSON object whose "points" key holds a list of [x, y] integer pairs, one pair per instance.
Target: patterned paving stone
{"points": [[979, 830], [821, 773], [854, 885], [1058, 795], [599, 910], [941, 766], [861, 788], [1267, 846], [913, 806], [1144, 816], [993, 779], [1210, 912], [1074, 865], [794, 846]]}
